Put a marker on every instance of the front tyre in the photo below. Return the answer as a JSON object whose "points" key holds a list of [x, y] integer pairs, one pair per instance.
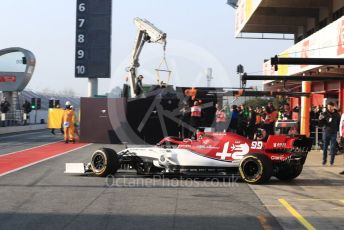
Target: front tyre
{"points": [[289, 173], [255, 168], [104, 162]]}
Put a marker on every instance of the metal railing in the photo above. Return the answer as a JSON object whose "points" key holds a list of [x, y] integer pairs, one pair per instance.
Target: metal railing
{"points": [[317, 135], [12, 118]]}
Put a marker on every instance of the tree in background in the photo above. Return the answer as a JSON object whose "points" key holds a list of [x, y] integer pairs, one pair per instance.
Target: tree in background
{"points": [[115, 92], [257, 102], [279, 101], [68, 92]]}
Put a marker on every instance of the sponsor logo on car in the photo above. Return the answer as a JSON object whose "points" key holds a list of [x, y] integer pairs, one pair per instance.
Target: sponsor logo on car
{"points": [[279, 145]]}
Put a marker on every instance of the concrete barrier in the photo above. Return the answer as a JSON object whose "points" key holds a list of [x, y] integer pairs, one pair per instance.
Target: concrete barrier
{"points": [[17, 129]]}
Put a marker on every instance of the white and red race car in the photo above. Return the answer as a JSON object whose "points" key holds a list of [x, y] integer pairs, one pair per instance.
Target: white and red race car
{"points": [[210, 154]]}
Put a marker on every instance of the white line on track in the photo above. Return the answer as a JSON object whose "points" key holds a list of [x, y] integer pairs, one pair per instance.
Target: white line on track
{"points": [[6, 154], [37, 162], [20, 134]]}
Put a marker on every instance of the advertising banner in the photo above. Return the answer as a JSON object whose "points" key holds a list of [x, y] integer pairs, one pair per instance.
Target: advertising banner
{"points": [[245, 10], [326, 43]]}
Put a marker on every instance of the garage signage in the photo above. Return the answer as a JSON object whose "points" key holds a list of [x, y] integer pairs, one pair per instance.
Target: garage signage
{"points": [[7, 78], [15, 77]]}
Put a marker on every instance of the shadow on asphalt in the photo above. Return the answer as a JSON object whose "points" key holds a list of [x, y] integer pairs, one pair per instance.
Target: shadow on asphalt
{"points": [[134, 221], [310, 182], [151, 182]]}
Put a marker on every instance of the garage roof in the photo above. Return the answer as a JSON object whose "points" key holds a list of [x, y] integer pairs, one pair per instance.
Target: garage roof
{"points": [[276, 16]]}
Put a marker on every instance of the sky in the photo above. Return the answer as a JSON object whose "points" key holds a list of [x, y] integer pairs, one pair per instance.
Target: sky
{"points": [[200, 35]]}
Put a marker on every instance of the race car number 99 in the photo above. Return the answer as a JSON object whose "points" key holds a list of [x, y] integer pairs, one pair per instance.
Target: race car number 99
{"points": [[257, 145]]}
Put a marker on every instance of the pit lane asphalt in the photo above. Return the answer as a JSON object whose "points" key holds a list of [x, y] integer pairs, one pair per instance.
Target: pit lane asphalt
{"points": [[43, 197], [21, 141]]}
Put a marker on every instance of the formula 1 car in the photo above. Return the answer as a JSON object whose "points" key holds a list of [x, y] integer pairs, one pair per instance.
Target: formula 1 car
{"points": [[211, 153]]}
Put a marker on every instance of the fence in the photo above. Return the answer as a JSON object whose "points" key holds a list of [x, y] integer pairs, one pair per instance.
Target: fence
{"points": [[16, 118], [317, 137], [13, 118]]}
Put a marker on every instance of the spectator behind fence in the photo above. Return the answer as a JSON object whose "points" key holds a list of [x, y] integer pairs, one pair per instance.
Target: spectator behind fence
{"points": [[251, 123], [242, 121], [27, 109], [259, 117], [4, 108], [270, 118], [4, 105], [233, 125], [220, 118], [196, 116]]}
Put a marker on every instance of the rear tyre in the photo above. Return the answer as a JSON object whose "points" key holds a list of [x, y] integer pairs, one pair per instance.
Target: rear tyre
{"points": [[104, 162], [289, 173], [255, 168]]}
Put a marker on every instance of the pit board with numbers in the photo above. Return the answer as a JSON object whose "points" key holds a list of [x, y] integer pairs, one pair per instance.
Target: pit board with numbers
{"points": [[93, 39]]}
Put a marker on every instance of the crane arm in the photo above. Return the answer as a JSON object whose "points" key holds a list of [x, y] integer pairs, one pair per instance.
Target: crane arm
{"points": [[155, 35], [147, 32]]}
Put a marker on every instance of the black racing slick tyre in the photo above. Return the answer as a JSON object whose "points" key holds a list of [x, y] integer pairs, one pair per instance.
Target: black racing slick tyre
{"points": [[255, 168], [290, 172], [105, 162]]}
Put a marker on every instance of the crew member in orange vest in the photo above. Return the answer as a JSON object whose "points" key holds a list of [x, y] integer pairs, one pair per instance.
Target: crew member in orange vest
{"points": [[196, 114], [271, 117], [220, 119], [259, 117], [76, 131], [68, 120]]}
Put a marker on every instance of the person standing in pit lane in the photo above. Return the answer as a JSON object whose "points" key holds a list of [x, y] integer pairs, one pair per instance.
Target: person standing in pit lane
{"points": [[251, 123], [330, 120], [68, 121], [233, 124], [76, 125], [220, 118], [242, 121], [139, 86], [270, 119], [196, 114]]}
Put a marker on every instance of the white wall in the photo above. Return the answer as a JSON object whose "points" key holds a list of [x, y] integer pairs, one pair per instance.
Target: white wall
{"points": [[41, 114]]}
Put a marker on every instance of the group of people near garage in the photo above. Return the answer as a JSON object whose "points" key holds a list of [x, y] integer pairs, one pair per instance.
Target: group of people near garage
{"points": [[253, 123], [258, 123], [245, 121]]}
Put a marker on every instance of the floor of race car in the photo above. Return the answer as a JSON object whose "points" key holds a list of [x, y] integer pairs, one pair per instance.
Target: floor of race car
{"points": [[43, 197]]}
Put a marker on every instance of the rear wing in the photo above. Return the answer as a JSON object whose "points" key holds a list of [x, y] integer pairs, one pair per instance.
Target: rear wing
{"points": [[302, 144], [279, 142], [288, 143]]}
